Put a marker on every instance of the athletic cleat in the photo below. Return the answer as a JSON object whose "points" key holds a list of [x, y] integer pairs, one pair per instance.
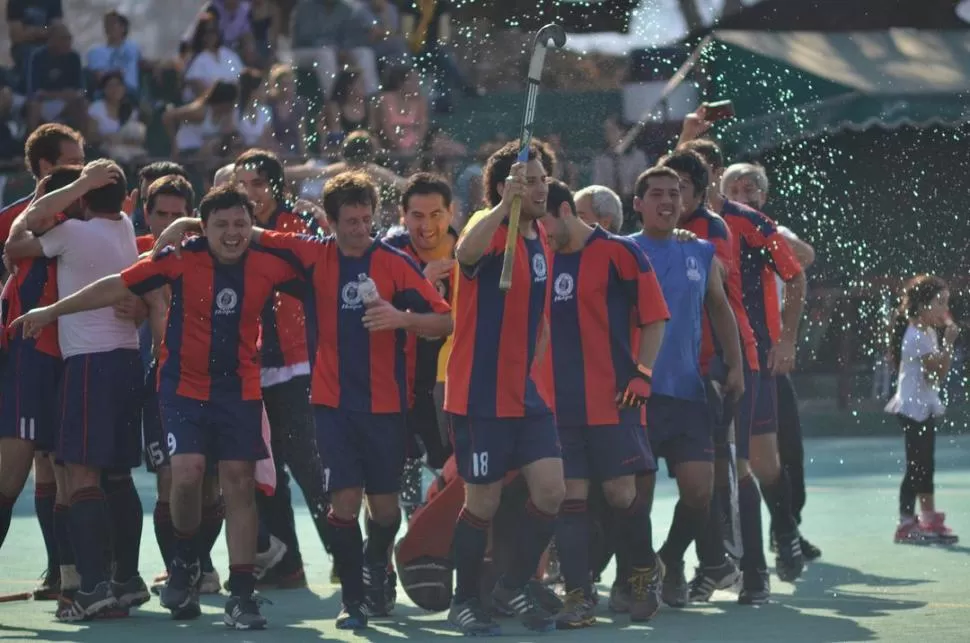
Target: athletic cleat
{"points": [[472, 620], [67, 610], [99, 601], [132, 593], [809, 551], [375, 591], [547, 599], [674, 591], [50, 586], [910, 532], [352, 617], [275, 579], [936, 525], [645, 584], [159, 582], [709, 579], [181, 592], [209, 582], [577, 611], [789, 562], [268, 559], [620, 598], [391, 589], [242, 613], [522, 602], [755, 588]]}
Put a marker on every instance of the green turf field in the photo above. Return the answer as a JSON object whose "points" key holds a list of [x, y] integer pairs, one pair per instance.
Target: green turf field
{"points": [[864, 588]]}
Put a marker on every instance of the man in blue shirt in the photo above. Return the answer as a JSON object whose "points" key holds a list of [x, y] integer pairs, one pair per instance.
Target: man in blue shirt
{"points": [[679, 425], [117, 54]]}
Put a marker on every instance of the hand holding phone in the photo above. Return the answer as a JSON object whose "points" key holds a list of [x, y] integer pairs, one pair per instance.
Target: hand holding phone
{"points": [[719, 110]]}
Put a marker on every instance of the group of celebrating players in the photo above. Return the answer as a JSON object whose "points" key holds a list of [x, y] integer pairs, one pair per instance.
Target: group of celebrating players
{"points": [[606, 353]]}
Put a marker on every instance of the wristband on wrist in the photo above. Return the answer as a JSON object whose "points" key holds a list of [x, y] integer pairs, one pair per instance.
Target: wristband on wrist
{"points": [[646, 372]]}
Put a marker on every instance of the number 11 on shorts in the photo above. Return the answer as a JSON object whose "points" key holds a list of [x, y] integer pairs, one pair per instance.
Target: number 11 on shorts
{"points": [[480, 464]]}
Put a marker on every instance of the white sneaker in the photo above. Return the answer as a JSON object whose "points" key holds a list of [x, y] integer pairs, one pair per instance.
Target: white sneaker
{"points": [[270, 558], [209, 583]]}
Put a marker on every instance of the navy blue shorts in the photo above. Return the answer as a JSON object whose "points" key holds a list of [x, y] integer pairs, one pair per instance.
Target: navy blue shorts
{"points": [[679, 430], [101, 397], [488, 448], [361, 450], [745, 413], [30, 395], [604, 452], [766, 410], [220, 429], [153, 435]]}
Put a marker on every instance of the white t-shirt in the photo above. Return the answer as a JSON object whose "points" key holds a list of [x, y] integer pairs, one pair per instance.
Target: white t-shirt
{"points": [[916, 398], [209, 67], [87, 251], [107, 124]]}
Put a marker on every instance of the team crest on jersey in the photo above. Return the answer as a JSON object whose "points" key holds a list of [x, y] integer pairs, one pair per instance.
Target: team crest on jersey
{"points": [[539, 267], [693, 270], [563, 286], [226, 301], [350, 294]]}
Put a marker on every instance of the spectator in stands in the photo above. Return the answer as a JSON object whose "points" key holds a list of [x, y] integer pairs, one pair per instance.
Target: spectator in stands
{"points": [[619, 172], [28, 22], [114, 124], [118, 54], [55, 83], [392, 48], [324, 30], [402, 113], [255, 116], [289, 112], [264, 22], [347, 109], [566, 171], [210, 61], [427, 27], [468, 185], [207, 129], [233, 18]]}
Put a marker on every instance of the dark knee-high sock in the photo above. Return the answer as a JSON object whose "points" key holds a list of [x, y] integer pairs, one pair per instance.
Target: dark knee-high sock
{"points": [[212, 518], [242, 580], [752, 538], [44, 494], [380, 538], [348, 556], [688, 524], [126, 521], [6, 515], [164, 531], [636, 535], [89, 533], [535, 531], [469, 545], [65, 552], [572, 543], [709, 544], [778, 499], [186, 547]]}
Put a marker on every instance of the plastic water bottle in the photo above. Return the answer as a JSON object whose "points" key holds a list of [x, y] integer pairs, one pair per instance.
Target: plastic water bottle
{"points": [[367, 290]]}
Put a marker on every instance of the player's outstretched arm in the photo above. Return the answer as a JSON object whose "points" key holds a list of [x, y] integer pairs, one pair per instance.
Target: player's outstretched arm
{"points": [[105, 292], [174, 233], [781, 360], [41, 214], [725, 327], [477, 236]]}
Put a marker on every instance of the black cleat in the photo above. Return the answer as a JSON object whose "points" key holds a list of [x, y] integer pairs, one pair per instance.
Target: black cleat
{"points": [[523, 603], [181, 592], [645, 588], [755, 588], [98, 602], [131, 593], [674, 591], [376, 602], [242, 613], [789, 562], [709, 579], [809, 551], [352, 617], [472, 619]]}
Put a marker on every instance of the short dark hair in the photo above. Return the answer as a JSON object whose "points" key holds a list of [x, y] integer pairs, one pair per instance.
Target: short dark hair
{"points": [[114, 14], [692, 164], [44, 144], [108, 199], [499, 164], [423, 183], [709, 151], [348, 188], [559, 193], [643, 181], [224, 197], [61, 177], [172, 185], [268, 165], [154, 171], [358, 147]]}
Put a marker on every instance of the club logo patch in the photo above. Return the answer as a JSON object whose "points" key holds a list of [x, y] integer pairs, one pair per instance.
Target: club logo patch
{"points": [[693, 269], [350, 294], [563, 286], [539, 267], [226, 301]]}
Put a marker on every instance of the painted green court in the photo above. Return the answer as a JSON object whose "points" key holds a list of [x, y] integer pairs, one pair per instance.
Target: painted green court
{"points": [[863, 589]]}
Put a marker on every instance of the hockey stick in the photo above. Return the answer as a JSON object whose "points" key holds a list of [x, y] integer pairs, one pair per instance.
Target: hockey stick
{"points": [[671, 85], [550, 34]]}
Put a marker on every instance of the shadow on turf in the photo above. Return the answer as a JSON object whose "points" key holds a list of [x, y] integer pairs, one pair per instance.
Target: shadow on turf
{"points": [[818, 589]]}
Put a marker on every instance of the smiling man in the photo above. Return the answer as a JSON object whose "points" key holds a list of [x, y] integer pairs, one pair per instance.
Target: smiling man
{"points": [[209, 388]]}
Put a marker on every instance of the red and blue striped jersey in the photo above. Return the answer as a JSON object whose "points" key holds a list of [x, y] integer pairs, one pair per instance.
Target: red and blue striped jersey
{"points": [[34, 284], [601, 297], [354, 368], [762, 253], [711, 227], [494, 370], [209, 351], [283, 333], [144, 243]]}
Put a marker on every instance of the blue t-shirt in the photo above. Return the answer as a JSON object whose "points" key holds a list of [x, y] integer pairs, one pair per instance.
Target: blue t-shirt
{"points": [[682, 269], [123, 58]]}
